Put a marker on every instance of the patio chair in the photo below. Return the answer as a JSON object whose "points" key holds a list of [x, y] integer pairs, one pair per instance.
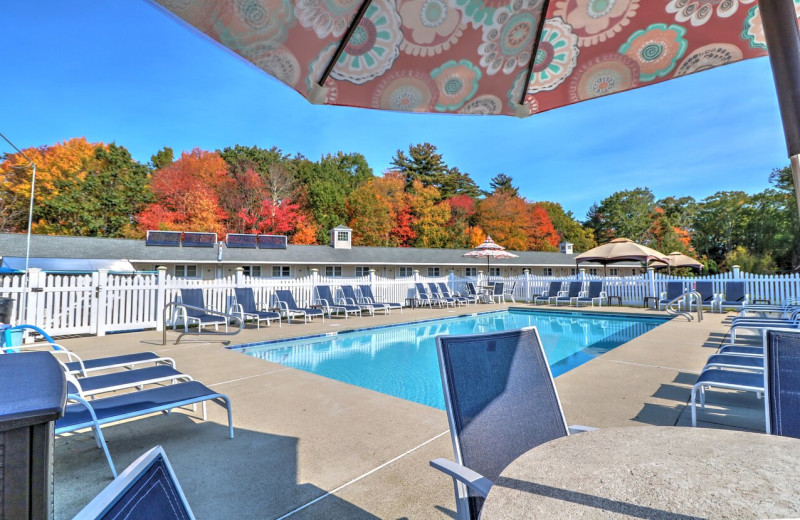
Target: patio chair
{"points": [[289, 309], [498, 293], [759, 325], [97, 412], [424, 298], [434, 290], [472, 292], [329, 304], [594, 294], [707, 296], [368, 297], [148, 488], [726, 379], [245, 307], [674, 291], [748, 362], [550, 294], [573, 290], [445, 290], [508, 292], [734, 296], [192, 310], [782, 382], [13, 342], [501, 402], [351, 298]]}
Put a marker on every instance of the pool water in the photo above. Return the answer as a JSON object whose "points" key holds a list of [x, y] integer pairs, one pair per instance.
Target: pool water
{"points": [[400, 360]]}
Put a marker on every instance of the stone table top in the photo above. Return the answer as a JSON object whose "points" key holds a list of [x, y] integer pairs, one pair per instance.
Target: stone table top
{"points": [[652, 472]]}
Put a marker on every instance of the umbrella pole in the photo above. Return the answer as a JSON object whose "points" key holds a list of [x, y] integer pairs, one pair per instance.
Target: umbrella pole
{"points": [[783, 39]]}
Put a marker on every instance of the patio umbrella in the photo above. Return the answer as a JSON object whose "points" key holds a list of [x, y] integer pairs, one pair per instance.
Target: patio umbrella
{"points": [[677, 259], [513, 57], [620, 250], [489, 249]]}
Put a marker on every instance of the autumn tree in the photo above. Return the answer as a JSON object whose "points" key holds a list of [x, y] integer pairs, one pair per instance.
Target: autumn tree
{"points": [[542, 235], [505, 219], [430, 217], [370, 215]]}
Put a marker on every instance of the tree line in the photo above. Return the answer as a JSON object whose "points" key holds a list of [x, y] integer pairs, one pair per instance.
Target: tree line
{"points": [[97, 189]]}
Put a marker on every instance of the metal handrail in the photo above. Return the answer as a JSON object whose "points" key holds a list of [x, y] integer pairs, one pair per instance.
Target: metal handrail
{"points": [[697, 296], [686, 314], [199, 328]]}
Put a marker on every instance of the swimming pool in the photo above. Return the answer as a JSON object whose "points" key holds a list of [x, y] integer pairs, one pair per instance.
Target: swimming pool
{"points": [[400, 360]]}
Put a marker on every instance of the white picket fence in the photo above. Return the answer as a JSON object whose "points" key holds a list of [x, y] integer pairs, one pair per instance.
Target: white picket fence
{"points": [[103, 302]]}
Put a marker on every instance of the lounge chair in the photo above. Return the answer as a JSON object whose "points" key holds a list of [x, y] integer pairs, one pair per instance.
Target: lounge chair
{"points": [[735, 296], [192, 310], [328, 303], [727, 379], [424, 298], [782, 383], [245, 307], [550, 294], [746, 362], [367, 296], [351, 298], [148, 488], [445, 290], [74, 364], [759, 325], [674, 291], [500, 401], [573, 290], [594, 294], [289, 309], [93, 414], [434, 290], [137, 377]]}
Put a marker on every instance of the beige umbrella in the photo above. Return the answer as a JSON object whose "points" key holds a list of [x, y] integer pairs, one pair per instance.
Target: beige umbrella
{"points": [[678, 259], [620, 250]]}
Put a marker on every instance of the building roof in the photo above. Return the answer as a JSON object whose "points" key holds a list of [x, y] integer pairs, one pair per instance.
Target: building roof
{"points": [[49, 246]]}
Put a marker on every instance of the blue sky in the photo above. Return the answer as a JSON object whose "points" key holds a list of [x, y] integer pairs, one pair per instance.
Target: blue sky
{"points": [[124, 72]]}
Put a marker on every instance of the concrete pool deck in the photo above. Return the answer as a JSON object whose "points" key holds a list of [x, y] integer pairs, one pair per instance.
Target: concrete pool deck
{"points": [[311, 447]]}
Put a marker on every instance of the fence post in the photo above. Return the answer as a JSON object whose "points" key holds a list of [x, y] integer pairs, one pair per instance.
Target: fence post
{"points": [[451, 280], [239, 277], [416, 275], [98, 316], [582, 273], [651, 274], [372, 280], [480, 278], [527, 273], [161, 296], [736, 272]]}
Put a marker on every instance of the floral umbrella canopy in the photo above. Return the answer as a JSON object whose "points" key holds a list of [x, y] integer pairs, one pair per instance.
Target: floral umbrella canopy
{"points": [[475, 56], [489, 249]]}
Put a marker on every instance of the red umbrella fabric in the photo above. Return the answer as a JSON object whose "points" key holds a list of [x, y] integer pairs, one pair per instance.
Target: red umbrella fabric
{"points": [[489, 249], [475, 56]]}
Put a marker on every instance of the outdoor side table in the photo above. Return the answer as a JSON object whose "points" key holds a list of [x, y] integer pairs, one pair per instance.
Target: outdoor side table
{"points": [[412, 302], [647, 301], [618, 299], [34, 392], [652, 472]]}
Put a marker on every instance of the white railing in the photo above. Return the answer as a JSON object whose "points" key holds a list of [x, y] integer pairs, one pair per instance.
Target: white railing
{"points": [[103, 302]]}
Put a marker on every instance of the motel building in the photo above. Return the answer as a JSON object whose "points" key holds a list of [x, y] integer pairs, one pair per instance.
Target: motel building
{"points": [[201, 256]]}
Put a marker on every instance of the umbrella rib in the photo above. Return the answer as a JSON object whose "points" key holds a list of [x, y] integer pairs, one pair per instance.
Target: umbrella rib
{"points": [[343, 42], [532, 61]]}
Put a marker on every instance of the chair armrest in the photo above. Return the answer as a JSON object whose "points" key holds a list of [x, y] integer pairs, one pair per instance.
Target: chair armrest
{"points": [[562, 293], [472, 479], [577, 428]]}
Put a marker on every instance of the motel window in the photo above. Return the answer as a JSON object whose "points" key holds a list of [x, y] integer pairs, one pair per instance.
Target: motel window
{"points": [[572, 271], [362, 271], [405, 271], [342, 236], [281, 271], [613, 271], [471, 271], [186, 271], [333, 270], [548, 271], [494, 271], [434, 271], [252, 270], [593, 271]]}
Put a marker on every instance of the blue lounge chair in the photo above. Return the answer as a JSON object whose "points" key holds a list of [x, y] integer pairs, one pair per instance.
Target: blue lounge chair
{"points": [[424, 298], [192, 310], [138, 377], [727, 379], [550, 294], [782, 383], [351, 298], [445, 291], [289, 309], [433, 289], [366, 295], [500, 401], [328, 303], [245, 307], [707, 296], [573, 290], [148, 488], [594, 294], [674, 291], [12, 342], [93, 414], [735, 296]]}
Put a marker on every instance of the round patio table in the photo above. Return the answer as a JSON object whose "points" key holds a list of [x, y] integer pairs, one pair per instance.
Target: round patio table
{"points": [[652, 472]]}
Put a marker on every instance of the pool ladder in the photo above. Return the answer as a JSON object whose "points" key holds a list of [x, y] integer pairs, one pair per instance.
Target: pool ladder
{"points": [[673, 307]]}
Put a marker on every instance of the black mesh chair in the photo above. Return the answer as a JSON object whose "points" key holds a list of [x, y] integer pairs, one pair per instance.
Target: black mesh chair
{"points": [[501, 402], [782, 382], [147, 489]]}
